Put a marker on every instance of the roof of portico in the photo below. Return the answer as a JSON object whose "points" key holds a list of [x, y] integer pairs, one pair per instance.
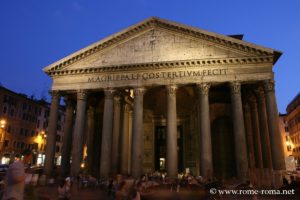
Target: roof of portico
{"points": [[154, 22]]}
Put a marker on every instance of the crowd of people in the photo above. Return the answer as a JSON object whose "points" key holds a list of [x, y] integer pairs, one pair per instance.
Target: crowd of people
{"points": [[119, 187]]}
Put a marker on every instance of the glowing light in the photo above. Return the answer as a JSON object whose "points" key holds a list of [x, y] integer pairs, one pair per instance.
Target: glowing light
{"points": [[2, 123]]}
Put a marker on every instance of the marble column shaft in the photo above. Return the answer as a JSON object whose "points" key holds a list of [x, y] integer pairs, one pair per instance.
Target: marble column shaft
{"points": [[256, 134], [79, 128], [206, 162], [106, 147], [67, 139], [137, 133], [90, 137], [239, 132], [264, 130], [172, 155], [51, 134], [116, 135], [273, 122], [125, 140]]}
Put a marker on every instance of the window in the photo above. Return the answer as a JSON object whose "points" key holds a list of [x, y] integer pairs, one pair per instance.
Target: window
{"points": [[12, 111], [9, 128], [22, 145], [4, 109], [21, 131], [57, 149], [32, 133], [38, 124], [26, 132], [6, 142], [24, 106]]}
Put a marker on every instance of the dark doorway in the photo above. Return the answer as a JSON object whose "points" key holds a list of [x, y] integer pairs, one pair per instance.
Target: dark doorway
{"points": [[223, 148], [161, 148]]}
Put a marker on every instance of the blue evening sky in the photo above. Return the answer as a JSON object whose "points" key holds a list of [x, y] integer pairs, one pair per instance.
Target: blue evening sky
{"points": [[35, 33]]}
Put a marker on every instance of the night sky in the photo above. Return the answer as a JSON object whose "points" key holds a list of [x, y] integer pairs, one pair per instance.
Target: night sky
{"points": [[36, 33]]}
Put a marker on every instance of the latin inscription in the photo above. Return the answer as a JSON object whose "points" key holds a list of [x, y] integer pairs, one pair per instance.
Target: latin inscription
{"points": [[157, 75]]}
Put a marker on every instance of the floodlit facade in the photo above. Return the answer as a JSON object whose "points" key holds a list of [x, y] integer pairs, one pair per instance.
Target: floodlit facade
{"points": [[163, 96]]}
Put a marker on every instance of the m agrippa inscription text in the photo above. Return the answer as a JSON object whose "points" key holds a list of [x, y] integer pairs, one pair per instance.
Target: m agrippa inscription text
{"points": [[157, 75]]}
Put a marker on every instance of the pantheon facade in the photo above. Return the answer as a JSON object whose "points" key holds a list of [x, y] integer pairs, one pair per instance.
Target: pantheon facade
{"points": [[163, 96]]}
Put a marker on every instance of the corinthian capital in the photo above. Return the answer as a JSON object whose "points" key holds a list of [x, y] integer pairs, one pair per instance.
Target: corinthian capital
{"points": [[235, 87], [269, 85], [81, 95], [203, 88], [260, 93], [109, 93], [138, 91], [171, 89]]}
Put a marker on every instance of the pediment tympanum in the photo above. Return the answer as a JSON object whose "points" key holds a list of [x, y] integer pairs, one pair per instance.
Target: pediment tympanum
{"points": [[155, 40], [155, 46]]}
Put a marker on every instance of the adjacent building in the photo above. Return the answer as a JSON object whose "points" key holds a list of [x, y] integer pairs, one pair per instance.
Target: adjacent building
{"points": [[24, 123], [293, 121], [287, 144], [163, 96]]}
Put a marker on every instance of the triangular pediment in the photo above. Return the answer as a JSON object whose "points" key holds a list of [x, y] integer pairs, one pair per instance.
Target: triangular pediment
{"points": [[156, 40]]}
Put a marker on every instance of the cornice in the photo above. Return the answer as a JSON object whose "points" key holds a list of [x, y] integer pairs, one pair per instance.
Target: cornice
{"points": [[168, 64], [152, 23]]}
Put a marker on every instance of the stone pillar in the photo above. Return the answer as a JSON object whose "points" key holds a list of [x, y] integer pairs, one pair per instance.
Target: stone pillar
{"points": [[273, 122], [172, 154], [249, 135], [239, 132], [77, 147], [137, 133], [264, 130], [206, 162], [90, 137], [105, 163], [67, 139], [256, 133], [51, 134], [116, 135], [125, 140]]}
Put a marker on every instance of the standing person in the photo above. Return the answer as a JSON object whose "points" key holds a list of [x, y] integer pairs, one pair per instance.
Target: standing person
{"points": [[63, 193], [15, 177]]}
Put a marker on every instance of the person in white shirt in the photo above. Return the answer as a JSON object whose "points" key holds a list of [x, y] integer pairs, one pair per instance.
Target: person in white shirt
{"points": [[15, 177]]}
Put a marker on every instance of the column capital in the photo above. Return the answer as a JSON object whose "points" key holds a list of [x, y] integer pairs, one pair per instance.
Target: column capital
{"points": [[109, 93], [54, 94], [117, 100], [81, 94], [235, 87], [139, 91], [171, 89], [269, 85], [260, 93], [203, 88]]}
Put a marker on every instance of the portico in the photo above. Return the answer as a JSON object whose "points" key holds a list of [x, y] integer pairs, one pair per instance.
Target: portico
{"points": [[191, 83]]}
